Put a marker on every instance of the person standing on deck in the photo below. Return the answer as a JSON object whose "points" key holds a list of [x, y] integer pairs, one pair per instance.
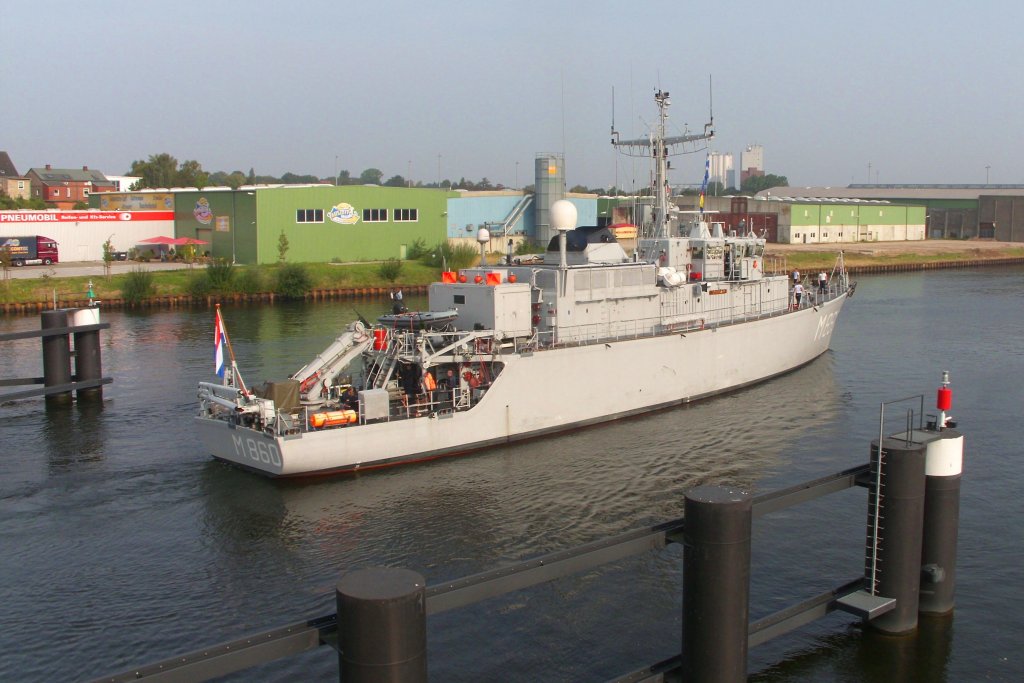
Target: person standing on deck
{"points": [[798, 293], [796, 276], [822, 282], [397, 306]]}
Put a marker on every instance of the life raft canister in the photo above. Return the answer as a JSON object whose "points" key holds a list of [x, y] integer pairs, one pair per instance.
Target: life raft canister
{"points": [[332, 418]]}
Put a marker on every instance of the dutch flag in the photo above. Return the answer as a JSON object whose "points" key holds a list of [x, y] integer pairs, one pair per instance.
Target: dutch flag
{"points": [[219, 341]]}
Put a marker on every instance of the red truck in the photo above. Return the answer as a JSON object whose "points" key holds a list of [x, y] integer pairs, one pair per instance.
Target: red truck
{"points": [[31, 250]]}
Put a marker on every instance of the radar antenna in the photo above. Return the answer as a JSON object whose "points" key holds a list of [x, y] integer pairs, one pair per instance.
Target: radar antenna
{"points": [[657, 145]]}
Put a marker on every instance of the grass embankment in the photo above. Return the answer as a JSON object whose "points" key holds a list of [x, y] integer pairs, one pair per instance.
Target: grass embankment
{"points": [[205, 283], [808, 260], [190, 282]]}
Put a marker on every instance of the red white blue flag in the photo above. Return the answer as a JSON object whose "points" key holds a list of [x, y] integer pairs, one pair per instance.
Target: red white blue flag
{"points": [[219, 342]]}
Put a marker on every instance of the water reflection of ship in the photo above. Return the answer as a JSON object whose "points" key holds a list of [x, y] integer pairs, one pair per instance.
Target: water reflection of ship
{"points": [[385, 517], [522, 493]]}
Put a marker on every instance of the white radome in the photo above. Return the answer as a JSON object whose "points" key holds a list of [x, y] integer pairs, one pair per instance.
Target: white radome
{"points": [[563, 215]]}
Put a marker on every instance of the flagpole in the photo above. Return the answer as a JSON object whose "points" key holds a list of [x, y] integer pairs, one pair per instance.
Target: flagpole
{"points": [[231, 352]]}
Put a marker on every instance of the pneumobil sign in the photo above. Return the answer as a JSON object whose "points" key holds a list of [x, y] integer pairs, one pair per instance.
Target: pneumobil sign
{"points": [[83, 216]]}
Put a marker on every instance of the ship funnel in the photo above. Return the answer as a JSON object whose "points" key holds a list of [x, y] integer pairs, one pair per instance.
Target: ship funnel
{"points": [[563, 219]]}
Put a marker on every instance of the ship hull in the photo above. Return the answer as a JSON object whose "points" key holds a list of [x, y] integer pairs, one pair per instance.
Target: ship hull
{"points": [[548, 391]]}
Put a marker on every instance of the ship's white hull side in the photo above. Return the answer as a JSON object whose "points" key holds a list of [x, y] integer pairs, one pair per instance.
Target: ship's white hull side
{"points": [[549, 391]]}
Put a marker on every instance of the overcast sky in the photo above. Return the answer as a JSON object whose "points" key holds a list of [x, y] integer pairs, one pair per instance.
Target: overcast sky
{"points": [[924, 92]]}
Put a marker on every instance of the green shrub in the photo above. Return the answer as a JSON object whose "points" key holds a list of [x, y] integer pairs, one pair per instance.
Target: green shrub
{"points": [[444, 255], [292, 281], [282, 247], [528, 247], [138, 285], [417, 250], [199, 285], [250, 281], [390, 270], [221, 274]]}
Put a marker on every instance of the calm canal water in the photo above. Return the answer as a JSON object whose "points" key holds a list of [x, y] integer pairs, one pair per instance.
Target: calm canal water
{"points": [[123, 543]]}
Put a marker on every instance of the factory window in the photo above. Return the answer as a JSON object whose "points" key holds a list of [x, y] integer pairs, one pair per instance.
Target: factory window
{"points": [[309, 215], [375, 215], [407, 215]]}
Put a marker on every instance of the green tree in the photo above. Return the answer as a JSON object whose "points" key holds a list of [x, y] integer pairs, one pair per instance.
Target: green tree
{"points": [[161, 170], [755, 184], [371, 176], [295, 179], [251, 178], [234, 180], [20, 203], [108, 256], [191, 174], [345, 178], [395, 181], [282, 247]]}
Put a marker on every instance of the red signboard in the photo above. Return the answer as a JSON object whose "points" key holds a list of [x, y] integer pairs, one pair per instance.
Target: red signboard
{"points": [[83, 216]]}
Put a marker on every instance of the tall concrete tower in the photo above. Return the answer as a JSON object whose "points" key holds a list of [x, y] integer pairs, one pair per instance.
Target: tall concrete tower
{"points": [[721, 168], [751, 162], [549, 174]]}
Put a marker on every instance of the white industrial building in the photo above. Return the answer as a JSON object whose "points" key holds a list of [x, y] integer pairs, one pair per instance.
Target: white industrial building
{"points": [[81, 234]]}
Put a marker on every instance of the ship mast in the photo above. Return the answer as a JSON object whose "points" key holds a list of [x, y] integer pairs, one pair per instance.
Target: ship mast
{"points": [[658, 144]]}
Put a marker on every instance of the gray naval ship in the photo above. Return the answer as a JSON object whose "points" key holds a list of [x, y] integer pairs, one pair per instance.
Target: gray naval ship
{"points": [[516, 351]]}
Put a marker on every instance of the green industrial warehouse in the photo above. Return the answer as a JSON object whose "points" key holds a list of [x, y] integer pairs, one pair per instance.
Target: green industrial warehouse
{"points": [[325, 223]]}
